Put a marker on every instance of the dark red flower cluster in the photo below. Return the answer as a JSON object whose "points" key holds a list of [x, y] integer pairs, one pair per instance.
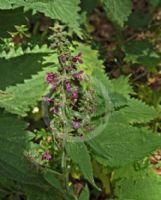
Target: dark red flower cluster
{"points": [[52, 79], [68, 86], [77, 58], [78, 75], [75, 96]]}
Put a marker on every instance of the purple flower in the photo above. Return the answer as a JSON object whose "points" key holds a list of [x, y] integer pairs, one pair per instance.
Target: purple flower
{"points": [[77, 58], [63, 58], [46, 156], [55, 109], [69, 68], [51, 78], [75, 95], [76, 124], [78, 75], [68, 86]]}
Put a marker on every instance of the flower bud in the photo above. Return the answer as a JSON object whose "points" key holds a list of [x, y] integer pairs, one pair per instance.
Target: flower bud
{"points": [[78, 75], [68, 86], [51, 78], [46, 156], [76, 124]]}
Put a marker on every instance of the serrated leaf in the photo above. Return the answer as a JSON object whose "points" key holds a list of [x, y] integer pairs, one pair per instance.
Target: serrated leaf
{"points": [[37, 49], [11, 18], [13, 143], [90, 57], [142, 52], [138, 20], [117, 99], [117, 11], [134, 184], [5, 4], [117, 90], [120, 144], [121, 85], [118, 117], [65, 11], [138, 111], [79, 154], [15, 70], [14, 165], [95, 67], [20, 98]]}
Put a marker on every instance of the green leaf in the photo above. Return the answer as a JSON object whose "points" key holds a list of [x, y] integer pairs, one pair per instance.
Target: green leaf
{"points": [[118, 117], [20, 98], [15, 70], [117, 99], [117, 90], [99, 75], [90, 57], [118, 11], [88, 5], [103, 174], [13, 144], [120, 144], [6, 183], [36, 193], [154, 3], [121, 85], [84, 194], [79, 154], [5, 4], [42, 50], [142, 184], [65, 11], [11, 18], [14, 165], [3, 194], [53, 178], [139, 19], [7, 186], [142, 52], [94, 66], [138, 111]]}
